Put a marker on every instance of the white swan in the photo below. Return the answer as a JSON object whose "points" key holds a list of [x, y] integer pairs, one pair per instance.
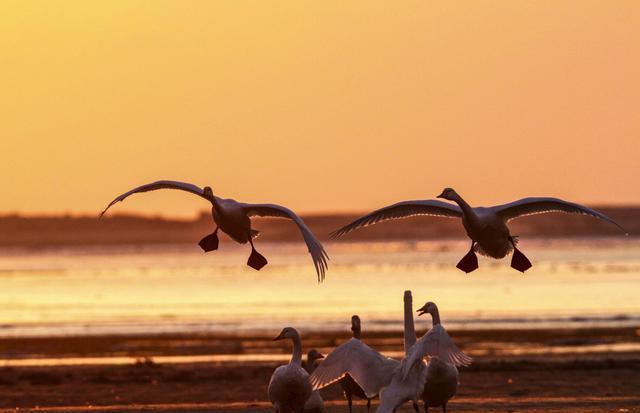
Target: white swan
{"points": [[487, 227], [289, 387], [233, 218], [349, 386], [314, 403], [395, 382], [442, 376]]}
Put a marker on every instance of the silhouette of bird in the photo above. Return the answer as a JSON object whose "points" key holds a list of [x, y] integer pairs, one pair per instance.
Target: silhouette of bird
{"points": [[289, 387], [233, 218], [349, 386], [314, 403], [486, 227], [396, 382], [442, 375]]}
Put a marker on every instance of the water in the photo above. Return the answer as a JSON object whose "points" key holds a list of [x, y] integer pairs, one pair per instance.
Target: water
{"points": [[97, 290]]}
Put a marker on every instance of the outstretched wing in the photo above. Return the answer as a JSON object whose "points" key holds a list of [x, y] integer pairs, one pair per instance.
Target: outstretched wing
{"points": [[435, 343], [370, 369], [533, 206], [316, 249], [402, 209], [182, 186]]}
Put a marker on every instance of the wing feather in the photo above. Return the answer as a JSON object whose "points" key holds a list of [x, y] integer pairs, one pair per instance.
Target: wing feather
{"points": [[318, 254], [534, 206], [370, 369], [435, 343], [182, 186], [400, 210]]}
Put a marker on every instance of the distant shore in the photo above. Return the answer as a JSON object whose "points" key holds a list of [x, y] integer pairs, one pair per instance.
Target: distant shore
{"points": [[49, 231]]}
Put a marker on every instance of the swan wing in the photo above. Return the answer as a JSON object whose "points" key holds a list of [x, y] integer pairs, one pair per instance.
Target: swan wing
{"points": [[435, 343], [316, 249], [182, 186], [370, 369], [533, 206], [402, 209]]}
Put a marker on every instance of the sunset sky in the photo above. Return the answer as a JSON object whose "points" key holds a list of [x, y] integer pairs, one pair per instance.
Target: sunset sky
{"points": [[319, 105]]}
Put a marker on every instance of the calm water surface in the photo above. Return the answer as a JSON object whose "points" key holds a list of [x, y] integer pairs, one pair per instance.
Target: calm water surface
{"points": [[177, 288]]}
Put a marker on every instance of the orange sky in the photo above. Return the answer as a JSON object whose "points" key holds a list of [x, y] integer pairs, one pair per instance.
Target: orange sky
{"points": [[317, 105]]}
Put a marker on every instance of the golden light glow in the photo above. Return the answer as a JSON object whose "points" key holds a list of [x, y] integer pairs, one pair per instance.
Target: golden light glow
{"points": [[317, 105]]}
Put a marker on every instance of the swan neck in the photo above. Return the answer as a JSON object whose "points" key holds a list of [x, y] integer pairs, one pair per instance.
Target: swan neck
{"points": [[296, 357], [409, 328], [356, 331], [435, 315], [464, 206]]}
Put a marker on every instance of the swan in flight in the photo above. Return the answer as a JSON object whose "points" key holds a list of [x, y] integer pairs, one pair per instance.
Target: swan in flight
{"points": [[314, 403], [289, 387], [233, 218], [395, 382], [486, 227], [442, 376], [349, 386]]}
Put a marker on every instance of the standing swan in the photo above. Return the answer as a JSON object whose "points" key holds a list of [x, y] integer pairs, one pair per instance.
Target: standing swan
{"points": [[233, 218], [314, 403], [349, 386], [396, 382], [487, 227], [289, 387], [442, 376]]}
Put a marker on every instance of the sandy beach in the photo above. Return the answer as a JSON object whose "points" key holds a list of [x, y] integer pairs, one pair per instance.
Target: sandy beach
{"points": [[528, 371]]}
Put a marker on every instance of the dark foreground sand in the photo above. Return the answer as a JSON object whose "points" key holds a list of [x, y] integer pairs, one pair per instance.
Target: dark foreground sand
{"points": [[577, 382]]}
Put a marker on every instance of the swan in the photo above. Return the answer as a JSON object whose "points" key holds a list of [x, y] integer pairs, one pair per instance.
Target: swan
{"points": [[442, 376], [289, 387], [396, 382], [486, 227], [349, 386], [314, 403], [233, 218]]}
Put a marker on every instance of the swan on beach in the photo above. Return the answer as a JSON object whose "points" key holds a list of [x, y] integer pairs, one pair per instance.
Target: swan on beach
{"points": [[314, 403], [289, 387], [233, 218], [442, 376], [349, 386], [486, 227], [396, 382]]}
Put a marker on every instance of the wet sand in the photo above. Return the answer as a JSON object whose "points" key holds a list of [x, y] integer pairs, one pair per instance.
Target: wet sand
{"points": [[587, 380]]}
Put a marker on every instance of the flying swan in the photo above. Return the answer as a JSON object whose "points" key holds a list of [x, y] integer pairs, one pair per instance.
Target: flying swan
{"points": [[233, 218], [486, 227]]}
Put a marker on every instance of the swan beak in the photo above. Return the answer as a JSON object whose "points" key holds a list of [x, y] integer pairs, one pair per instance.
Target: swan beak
{"points": [[441, 195], [421, 311], [279, 337]]}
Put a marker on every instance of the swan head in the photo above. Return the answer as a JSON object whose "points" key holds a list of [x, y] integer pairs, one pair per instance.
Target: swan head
{"points": [[287, 332], [355, 323], [312, 356], [208, 192], [428, 308], [449, 194]]}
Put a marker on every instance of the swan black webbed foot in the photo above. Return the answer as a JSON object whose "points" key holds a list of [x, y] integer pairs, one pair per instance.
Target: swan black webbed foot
{"points": [[518, 260], [256, 260], [210, 242], [469, 262]]}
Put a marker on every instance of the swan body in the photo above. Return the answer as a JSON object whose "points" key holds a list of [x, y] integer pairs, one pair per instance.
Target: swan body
{"points": [[234, 219], [289, 387], [349, 386], [314, 403], [486, 227], [442, 376], [396, 382]]}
